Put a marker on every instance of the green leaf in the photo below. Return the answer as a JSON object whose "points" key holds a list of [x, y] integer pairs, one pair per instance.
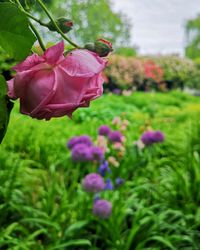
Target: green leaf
{"points": [[5, 108], [15, 35], [74, 227], [70, 243]]}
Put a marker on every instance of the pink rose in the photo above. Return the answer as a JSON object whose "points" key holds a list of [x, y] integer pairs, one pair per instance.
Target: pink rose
{"points": [[53, 85]]}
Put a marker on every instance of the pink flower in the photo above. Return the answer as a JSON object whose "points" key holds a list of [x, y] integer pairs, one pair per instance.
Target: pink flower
{"points": [[53, 85]]}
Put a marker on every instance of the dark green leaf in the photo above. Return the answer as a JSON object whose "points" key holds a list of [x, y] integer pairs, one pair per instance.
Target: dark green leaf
{"points": [[15, 35], [5, 108]]}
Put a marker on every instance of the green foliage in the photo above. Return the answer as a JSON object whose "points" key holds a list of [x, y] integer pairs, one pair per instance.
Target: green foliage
{"points": [[6, 62], [5, 108], [15, 37], [192, 49], [126, 51], [42, 203], [95, 19]]}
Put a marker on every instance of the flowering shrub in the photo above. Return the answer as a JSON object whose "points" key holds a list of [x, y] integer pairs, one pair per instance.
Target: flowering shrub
{"points": [[144, 73], [153, 71], [123, 72]]}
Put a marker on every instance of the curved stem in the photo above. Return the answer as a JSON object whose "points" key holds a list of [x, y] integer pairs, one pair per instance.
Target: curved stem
{"points": [[38, 36], [55, 24], [35, 19], [32, 26]]}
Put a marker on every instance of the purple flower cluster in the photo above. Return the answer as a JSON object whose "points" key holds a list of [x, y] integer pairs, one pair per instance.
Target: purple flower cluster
{"points": [[102, 208], [83, 150], [113, 136], [83, 139], [104, 130], [151, 137], [81, 153], [93, 183]]}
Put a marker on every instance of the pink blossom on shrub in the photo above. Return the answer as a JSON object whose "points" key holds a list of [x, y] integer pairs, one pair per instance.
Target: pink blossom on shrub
{"points": [[153, 71]]}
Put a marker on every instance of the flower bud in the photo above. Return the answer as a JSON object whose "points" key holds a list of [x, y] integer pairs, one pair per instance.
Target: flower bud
{"points": [[89, 46], [103, 47], [63, 23]]}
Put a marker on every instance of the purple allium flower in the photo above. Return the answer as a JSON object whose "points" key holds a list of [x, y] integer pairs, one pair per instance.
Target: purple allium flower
{"points": [[102, 209], [150, 137], [158, 136], [93, 183], [81, 153], [109, 185], [119, 181], [83, 139], [104, 168], [98, 154], [115, 136], [104, 130]]}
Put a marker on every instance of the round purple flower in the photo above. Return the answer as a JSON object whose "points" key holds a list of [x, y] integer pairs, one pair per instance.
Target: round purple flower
{"points": [[104, 168], [104, 130], [158, 136], [83, 139], [102, 209], [93, 183], [115, 136], [81, 153], [98, 154], [72, 142], [148, 137]]}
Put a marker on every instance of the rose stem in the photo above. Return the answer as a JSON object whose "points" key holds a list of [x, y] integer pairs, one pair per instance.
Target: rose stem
{"points": [[55, 24]]}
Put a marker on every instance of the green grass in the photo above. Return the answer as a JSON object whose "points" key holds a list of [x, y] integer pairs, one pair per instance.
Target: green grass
{"points": [[43, 206]]}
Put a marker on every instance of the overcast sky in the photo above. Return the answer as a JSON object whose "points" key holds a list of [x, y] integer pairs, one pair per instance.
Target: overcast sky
{"points": [[158, 25]]}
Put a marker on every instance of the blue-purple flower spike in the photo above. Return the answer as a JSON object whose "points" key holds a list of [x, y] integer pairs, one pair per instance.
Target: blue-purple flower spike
{"points": [[104, 168], [109, 185]]}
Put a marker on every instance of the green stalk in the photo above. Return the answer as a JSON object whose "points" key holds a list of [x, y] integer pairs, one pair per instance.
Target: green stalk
{"points": [[32, 26], [38, 36], [55, 24]]}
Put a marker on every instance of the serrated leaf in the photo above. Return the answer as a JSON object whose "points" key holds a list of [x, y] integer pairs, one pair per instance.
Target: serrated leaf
{"points": [[5, 108], [15, 36]]}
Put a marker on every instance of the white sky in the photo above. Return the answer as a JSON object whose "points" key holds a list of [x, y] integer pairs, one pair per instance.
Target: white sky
{"points": [[158, 25]]}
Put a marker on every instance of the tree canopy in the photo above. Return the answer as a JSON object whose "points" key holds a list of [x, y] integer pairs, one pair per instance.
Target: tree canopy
{"points": [[94, 19], [193, 38]]}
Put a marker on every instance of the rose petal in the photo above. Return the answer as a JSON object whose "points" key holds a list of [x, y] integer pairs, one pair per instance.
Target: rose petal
{"points": [[55, 53]]}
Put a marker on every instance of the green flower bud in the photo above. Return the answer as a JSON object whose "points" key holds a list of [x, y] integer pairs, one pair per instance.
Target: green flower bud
{"points": [[103, 47], [63, 23], [90, 46]]}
